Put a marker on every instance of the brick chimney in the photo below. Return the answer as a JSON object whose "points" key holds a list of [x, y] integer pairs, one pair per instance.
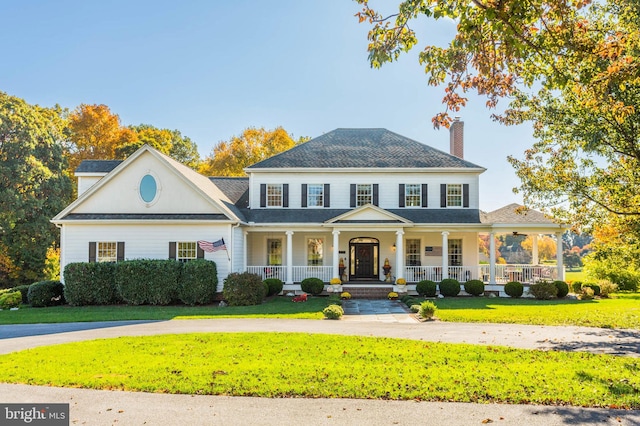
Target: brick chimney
{"points": [[456, 138]]}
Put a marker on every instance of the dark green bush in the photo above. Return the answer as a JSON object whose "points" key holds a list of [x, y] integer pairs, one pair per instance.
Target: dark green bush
{"points": [[449, 287], [198, 282], [543, 290], [90, 283], [334, 299], [10, 299], [312, 285], [427, 288], [243, 289], [514, 289], [474, 287], [275, 286], [24, 293], [333, 312], [594, 287], [46, 293], [576, 287], [404, 298], [148, 281], [563, 288]]}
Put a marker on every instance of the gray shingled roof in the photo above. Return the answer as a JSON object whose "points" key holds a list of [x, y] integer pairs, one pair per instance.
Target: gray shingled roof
{"points": [[235, 188], [97, 166], [516, 213], [468, 216], [363, 148]]}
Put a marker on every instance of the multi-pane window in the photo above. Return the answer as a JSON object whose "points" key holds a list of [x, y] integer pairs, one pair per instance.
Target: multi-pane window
{"points": [[274, 252], [412, 195], [186, 251], [412, 252], [274, 195], [315, 251], [315, 195], [455, 252], [364, 195], [454, 195], [107, 252]]}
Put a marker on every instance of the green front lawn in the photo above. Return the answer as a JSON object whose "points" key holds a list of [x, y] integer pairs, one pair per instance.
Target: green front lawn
{"points": [[278, 365]]}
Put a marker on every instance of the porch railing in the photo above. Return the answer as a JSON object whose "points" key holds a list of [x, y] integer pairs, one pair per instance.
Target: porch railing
{"points": [[299, 272], [434, 273], [524, 273]]}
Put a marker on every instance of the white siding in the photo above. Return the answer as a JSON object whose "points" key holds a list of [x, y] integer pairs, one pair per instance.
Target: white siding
{"points": [[388, 185], [149, 241], [86, 182]]}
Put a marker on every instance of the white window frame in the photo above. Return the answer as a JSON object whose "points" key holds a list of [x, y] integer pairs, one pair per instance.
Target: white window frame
{"points": [[322, 246], [274, 195], [186, 251], [413, 199], [364, 194], [106, 251], [454, 195], [315, 195]]}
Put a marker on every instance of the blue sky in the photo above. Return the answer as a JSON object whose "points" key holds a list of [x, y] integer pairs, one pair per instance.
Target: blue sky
{"points": [[213, 68]]}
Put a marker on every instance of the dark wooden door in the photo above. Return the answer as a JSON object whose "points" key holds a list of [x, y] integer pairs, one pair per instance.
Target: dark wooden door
{"points": [[365, 261]]}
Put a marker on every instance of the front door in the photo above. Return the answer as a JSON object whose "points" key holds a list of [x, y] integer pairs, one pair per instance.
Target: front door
{"points": [[363, 259]]}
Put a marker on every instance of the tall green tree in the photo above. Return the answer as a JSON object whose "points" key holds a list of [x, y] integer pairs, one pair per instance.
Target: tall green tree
{"points": [[170, 142], [229, 158], [33, 186]]}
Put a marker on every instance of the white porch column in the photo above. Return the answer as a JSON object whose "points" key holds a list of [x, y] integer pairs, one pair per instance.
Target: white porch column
{"points": [[492, 258], [289, 257], [336, 254], [559, 256], [399, 254], [534, 250], [245, 251], [445, 254]]}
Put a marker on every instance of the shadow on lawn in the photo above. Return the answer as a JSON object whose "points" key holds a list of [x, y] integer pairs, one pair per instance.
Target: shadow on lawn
{"points": [[25, 330], [612, 342], [467, 302]]}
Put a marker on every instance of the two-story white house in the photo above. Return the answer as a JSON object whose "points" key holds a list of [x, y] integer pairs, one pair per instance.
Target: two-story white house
{"points": [[341, 205]]}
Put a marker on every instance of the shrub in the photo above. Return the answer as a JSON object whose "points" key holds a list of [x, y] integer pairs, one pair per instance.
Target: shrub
{"points": [[514, 289], [90, 283], [606, 288], [404, 298], [576, 287], [334, 299], [594, 287], [345, 295], [415, 308], [24, 292], [198, 282], [10, 299], [148, 281], [449, 287], [562, 287], [543, 290], [427, 288], [586, 293], [427, 309], [411, 301], [312, 285], [243, 289], [275, 286], [333, 312], [392, 295], [474, 287], [46, 293]]}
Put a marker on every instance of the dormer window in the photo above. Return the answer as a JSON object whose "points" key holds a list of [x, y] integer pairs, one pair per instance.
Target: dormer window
{"points": [[274, 195]]}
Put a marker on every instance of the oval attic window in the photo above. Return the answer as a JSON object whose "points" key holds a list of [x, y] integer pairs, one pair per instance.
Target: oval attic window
{"points": [[148, 188]]}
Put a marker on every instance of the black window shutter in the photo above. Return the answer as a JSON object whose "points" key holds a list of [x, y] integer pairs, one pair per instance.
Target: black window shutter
{"points": [[304, 195], [401, 195], [443, 195], [353, 195], [172, 250], [285, 195], [92, 251], [465, 195], [200, 252], [327, 202], [120, 251], [375, 194], [425, 195], [263, 195]]}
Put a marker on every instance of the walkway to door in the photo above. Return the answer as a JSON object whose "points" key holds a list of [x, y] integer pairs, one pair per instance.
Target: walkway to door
{"points": [[377, 310]]}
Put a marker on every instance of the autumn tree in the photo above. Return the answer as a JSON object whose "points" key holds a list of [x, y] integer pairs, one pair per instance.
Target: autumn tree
{"points": [[546, 246], [169, 142], [33, 187], [229, 158]]}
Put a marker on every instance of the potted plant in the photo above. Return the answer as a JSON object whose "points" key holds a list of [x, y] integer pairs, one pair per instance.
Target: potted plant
{"points": [[335, 283], [345, 295], [401, 282], [392, 295], [387, 269]]}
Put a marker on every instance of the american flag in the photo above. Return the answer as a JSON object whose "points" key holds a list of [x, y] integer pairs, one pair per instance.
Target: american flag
{"points": [[214, 246]]}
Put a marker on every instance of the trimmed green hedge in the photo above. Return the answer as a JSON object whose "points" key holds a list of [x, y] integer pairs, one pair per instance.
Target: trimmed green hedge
{"points": [[312, 285], [450, 287], [514, 289], [24, 292], [243, 289], [46, 293], [198, 282], [10, 299], [427, 288], [148, 281], [474, 287], [275, 286], [91, 283]]}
